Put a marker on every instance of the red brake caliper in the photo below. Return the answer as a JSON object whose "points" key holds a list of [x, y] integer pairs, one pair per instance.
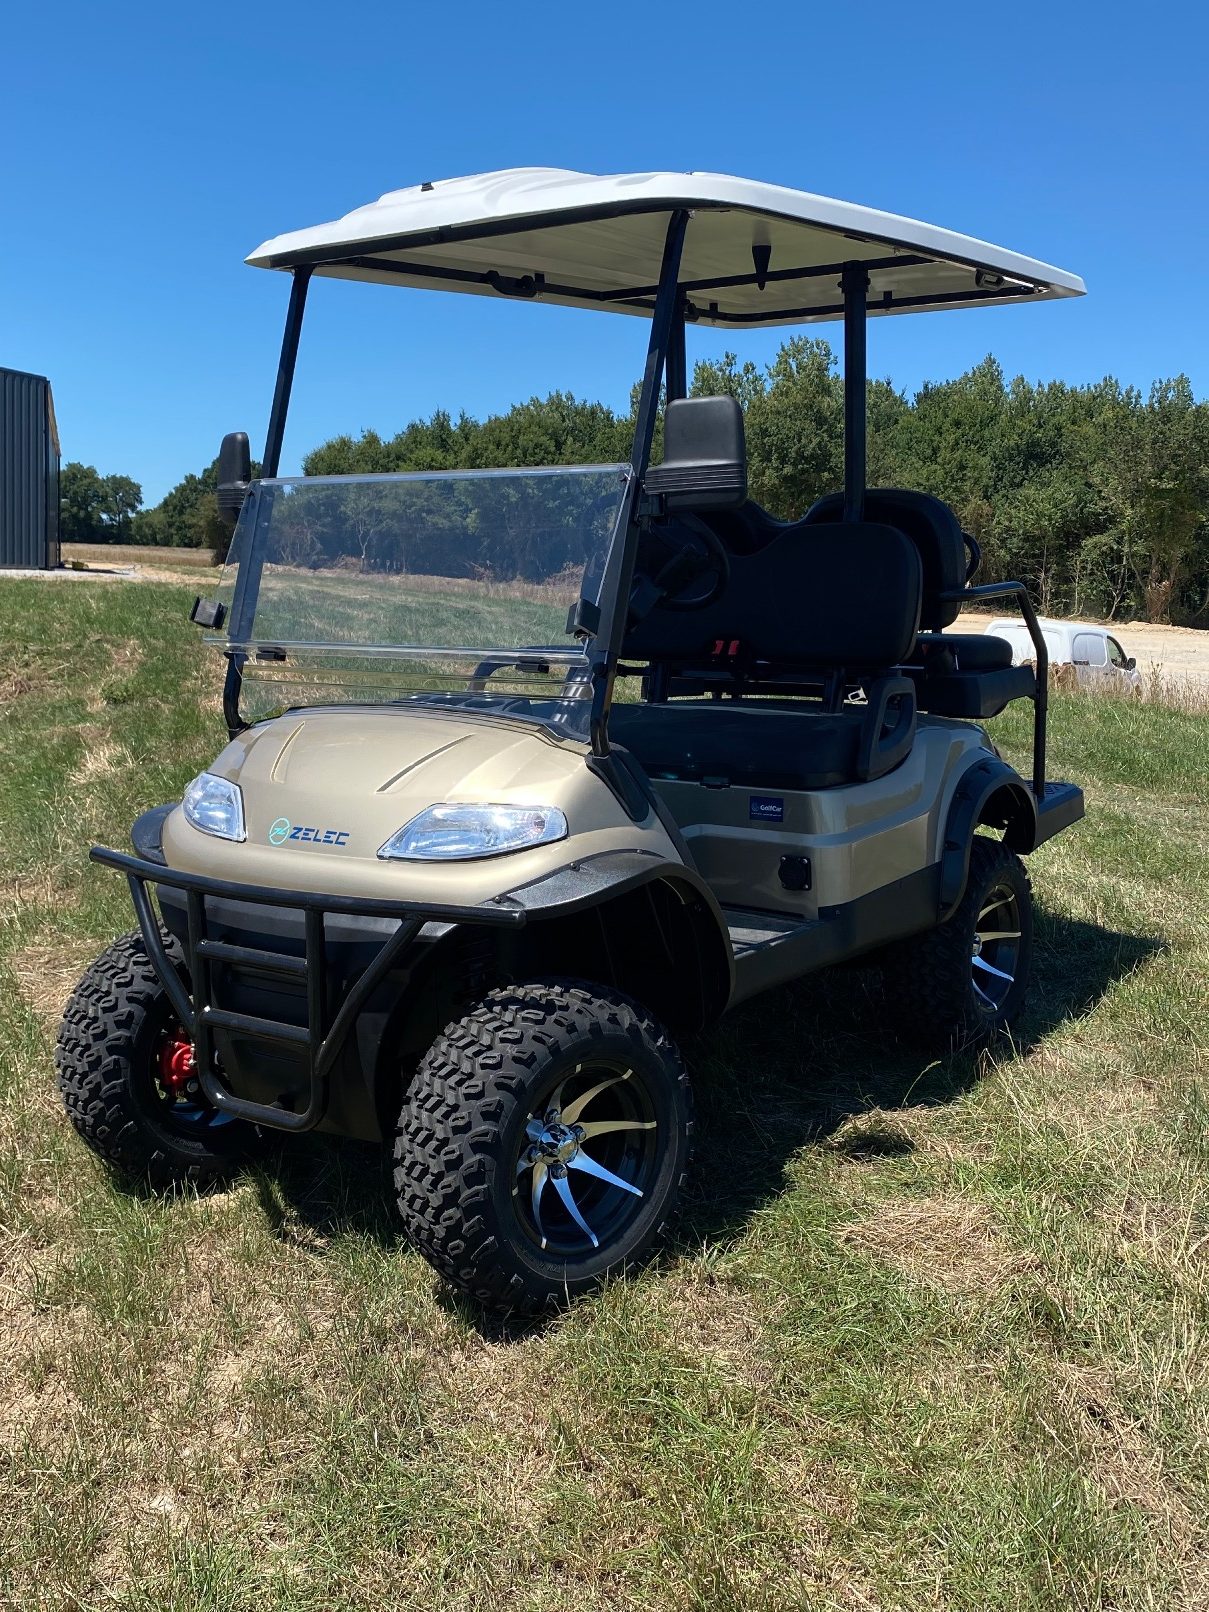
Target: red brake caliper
{"points": [[178, 1068]]}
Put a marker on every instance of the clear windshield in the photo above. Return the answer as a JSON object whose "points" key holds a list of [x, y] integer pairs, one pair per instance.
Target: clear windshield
{"points": [[420, 586]]}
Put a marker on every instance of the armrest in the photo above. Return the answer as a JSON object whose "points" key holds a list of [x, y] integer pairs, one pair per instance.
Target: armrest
{"points": [[886, 733]]}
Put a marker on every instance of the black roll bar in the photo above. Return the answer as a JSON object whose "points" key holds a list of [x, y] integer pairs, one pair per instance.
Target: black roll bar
{"points": [[285, 371], [854, 282], [676, 385], [1040, 697], [243, 606], [619, 570], [669, 308]]}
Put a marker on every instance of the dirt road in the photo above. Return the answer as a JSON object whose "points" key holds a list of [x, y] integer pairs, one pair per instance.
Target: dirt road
{"points": [[1181, 653]]}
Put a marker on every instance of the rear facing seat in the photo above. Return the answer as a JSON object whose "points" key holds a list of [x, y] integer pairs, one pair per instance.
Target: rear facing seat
{"points": [[955, 675], [967, 675]]}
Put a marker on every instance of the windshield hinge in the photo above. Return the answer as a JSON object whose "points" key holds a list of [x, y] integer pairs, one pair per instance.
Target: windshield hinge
{"points": [[208, 612], [584, 618]]}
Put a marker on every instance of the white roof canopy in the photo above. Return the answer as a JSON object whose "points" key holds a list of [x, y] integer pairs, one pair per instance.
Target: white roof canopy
{"points": [[596, 241]]}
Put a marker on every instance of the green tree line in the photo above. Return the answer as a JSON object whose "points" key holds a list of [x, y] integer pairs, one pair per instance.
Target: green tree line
{"points": [[109, 509], [1096, 496], [95, 508]]}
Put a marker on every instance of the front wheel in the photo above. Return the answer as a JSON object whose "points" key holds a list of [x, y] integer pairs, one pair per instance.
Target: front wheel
{"points": [[964, 982], [543, 1143], [127, 1078]]}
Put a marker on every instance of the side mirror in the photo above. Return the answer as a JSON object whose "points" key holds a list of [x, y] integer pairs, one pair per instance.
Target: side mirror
{"points": [[234, 476], [1131, 664]]}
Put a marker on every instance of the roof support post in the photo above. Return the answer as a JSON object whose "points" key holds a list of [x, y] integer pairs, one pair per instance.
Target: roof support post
{"points": [[619, 568], [854, 282], [247, 587], [676, 382], [285, 371], [663, 319]]}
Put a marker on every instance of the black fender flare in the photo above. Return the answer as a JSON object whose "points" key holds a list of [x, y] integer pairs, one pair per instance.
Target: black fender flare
{"points": [[991, 792], [589, 880], [593, 881], [147, 833], [576, 889]]}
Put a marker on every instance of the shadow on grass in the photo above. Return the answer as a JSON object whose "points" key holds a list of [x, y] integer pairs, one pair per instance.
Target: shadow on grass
{"points": [[781, 1073], [791, 1067]]}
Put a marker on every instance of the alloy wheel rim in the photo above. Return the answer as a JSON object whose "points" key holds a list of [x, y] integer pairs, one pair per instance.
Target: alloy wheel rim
{"points": [[995, 952], [586, 1160]]}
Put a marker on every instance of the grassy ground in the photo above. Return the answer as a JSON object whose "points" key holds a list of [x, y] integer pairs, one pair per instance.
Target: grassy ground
{"points": [[933, 1335]]}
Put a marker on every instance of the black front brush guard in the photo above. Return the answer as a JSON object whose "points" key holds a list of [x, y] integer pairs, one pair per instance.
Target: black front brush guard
{"points": [[321, 1040]]}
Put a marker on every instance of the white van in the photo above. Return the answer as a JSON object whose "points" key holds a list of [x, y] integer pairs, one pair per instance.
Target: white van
{"points": [[1093, 650]]}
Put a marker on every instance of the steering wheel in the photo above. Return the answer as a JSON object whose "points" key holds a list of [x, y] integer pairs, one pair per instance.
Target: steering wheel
{"points": [[693, 569]]}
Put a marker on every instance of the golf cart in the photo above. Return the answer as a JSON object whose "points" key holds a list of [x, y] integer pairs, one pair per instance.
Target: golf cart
{"points": [[531, 771]]}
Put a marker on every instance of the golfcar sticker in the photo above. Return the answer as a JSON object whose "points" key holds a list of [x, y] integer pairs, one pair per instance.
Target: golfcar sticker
{"points": [[282, 829], [766, 809]]}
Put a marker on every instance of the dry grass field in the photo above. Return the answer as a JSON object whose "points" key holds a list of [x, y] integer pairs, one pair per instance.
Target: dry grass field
{"points": [[1172, 658], [135, 554], [933, 1335]]}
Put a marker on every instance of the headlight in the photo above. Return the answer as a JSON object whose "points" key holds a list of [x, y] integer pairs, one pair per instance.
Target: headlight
{"points": [[450, 833], [215, 806]]}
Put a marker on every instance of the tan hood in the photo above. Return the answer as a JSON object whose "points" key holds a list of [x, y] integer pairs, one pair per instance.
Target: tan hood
{"points": [[323, 790]]}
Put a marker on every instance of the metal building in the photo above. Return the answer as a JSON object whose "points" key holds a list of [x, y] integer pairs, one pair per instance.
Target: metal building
{"points": [[29, 472]]}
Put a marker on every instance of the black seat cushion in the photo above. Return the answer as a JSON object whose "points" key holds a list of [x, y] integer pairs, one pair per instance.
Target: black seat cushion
{"points": [[973, 694], [932, 527], [757, 744], [848, 597], [962, 652], [967, 675]]}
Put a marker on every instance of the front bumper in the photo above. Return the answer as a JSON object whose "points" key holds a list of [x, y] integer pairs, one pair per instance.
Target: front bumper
{"points": [[320, 1040]]}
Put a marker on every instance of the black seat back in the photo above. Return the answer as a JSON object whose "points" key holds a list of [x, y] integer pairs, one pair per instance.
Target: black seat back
{"points": [[704, 456], [933, 529], [846, 597]]}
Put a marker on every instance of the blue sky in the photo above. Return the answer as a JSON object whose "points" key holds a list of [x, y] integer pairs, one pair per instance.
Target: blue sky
{"points": [[148, 148]]}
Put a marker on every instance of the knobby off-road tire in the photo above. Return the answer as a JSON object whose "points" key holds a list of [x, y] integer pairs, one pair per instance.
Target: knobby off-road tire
{"points": [[480, 1183], [110, 1041], [936, 992]]}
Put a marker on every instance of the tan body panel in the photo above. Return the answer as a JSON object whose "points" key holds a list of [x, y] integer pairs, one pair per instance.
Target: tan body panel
{"points": [[367, 771], [859, 837]]}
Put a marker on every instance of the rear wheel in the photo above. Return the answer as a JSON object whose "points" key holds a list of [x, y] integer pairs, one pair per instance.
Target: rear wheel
{"points": [[965, 981], [127, 1077], [543, 1143]]}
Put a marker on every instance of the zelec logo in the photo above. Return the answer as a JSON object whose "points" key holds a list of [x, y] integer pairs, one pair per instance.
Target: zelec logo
{"points": [[282, 829]]}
